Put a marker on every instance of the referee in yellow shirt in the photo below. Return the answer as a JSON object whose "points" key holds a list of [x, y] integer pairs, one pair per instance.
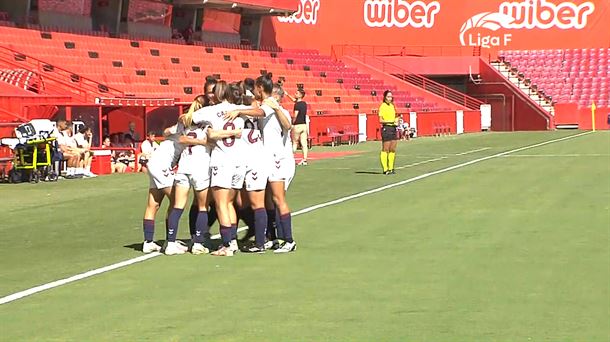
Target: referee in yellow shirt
{"points": [[389, 138]]}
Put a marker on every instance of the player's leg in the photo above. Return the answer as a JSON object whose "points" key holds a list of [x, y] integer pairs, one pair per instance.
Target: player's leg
{"points": [[202, 229], [303, 137], [279, 198], [193, 212], [295, 139], [71, 164], [180, 197], [257, 203], [155, 197], [273, 229], [212, 214], [392, 154], [222, 199], [245, 213], [385, 148]]}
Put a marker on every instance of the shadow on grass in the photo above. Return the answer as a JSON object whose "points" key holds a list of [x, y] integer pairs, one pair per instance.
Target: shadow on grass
{"points": [[212, 244], [368, 173]]}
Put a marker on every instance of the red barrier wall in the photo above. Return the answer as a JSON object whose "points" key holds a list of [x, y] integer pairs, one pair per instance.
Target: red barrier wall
{"points": [[426, 124], [601, 118], [566, 114], [492, 24], [472, 121]]}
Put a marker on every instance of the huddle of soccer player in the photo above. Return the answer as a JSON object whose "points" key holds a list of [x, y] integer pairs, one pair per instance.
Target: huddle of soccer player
{"points": [[233, 148]]}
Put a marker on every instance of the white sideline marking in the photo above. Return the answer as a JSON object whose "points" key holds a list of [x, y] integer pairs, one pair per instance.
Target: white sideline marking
{"points": [[559, 155], [71, 279], [33, 290], [472, 151]]}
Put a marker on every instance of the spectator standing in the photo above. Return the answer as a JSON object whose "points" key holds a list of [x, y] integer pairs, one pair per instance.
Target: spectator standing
{"points": [[299, 125]]}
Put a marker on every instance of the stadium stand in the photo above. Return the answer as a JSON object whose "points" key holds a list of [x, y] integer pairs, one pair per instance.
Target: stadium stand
{"points": [[578, 76], [147, 69]]}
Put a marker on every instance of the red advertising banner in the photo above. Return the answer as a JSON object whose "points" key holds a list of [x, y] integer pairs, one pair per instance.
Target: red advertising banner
{"points": [[491, 24]]}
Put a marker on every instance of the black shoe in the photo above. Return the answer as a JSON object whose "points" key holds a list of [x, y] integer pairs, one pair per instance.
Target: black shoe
{"points": [[386, 172], [253, 249], [392, 172]]}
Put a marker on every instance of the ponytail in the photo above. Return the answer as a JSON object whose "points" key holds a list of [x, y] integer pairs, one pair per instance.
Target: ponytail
{"points": [[187, 118]]}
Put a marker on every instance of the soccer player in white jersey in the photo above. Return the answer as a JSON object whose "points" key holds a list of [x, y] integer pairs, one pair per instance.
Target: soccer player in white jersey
{"points": [[255, 168], [226, 173], [273, 127], [193, 172], [276, 132], [161, 174]]}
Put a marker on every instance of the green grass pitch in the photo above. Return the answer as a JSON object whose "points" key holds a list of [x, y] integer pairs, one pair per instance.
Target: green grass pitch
{"points": [[513, 248]]}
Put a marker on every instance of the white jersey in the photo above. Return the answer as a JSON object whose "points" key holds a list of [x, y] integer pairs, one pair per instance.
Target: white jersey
{"points": [[226, 151], [275, 138], [147, 147], [168, 152], [251, 146], [81, 141], [194, 158]]}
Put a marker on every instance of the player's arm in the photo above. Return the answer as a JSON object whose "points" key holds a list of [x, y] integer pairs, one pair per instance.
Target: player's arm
{"points": [[252, 112], [170, 130], [284, 121], [224, 133], [186, 140], [290, 97]]}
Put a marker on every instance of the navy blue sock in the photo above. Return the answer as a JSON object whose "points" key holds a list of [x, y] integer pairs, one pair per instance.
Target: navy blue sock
{"points": [[193, 213], [166, 226], [271, 224], [247, 215], [260, 224], [286, 223], [234, 231], [149, 229], [173, 221], [278, 224], [201, 228], [212, 216], [225, 233]]}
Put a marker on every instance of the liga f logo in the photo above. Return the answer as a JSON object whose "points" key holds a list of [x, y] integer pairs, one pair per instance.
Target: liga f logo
{"points": [[526, 14]]}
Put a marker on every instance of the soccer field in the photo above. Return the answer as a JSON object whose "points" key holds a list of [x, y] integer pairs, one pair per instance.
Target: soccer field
{"points": [[468, 244]]}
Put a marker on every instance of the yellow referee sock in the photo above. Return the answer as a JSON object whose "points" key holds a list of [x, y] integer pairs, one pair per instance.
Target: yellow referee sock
{"points": [[391, 158], [384, 160]]}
